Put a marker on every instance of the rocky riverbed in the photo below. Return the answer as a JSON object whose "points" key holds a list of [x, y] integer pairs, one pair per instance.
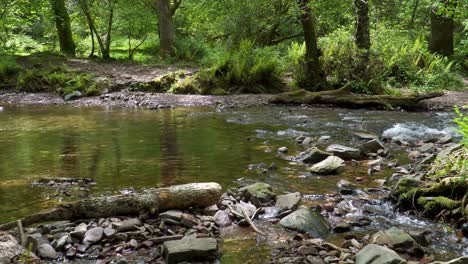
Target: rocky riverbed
{"points": [[343, 227]]}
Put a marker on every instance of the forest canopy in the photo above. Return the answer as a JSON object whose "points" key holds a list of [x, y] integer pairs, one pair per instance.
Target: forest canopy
{"points": [[259, 46]]}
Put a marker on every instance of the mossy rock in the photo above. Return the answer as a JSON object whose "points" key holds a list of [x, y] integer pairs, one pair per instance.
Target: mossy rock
{"points": [[434, 205]]}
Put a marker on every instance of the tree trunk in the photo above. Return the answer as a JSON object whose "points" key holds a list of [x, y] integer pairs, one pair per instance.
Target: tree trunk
{"points": [[166, 27], [106, 52], [62, 22], [362, 35], [441, 40], [314, 76], [344, 98], [151, 200]]}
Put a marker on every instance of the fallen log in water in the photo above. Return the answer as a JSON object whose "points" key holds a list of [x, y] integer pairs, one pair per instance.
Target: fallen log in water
{"points": [[152, 200], [344, 97]]}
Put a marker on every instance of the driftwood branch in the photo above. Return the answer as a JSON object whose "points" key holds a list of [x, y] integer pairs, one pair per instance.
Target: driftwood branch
{"points": [[152, 200], [343, 97]]}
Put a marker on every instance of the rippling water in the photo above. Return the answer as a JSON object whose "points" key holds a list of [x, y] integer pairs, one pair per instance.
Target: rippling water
{"points": [[139, 149]]}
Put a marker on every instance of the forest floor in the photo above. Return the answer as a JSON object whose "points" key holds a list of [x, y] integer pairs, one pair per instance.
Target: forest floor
{"points": [[124, 74]]}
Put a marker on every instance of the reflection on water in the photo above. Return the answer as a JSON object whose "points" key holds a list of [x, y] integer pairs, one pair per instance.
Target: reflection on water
{"points": [[124, 148]]}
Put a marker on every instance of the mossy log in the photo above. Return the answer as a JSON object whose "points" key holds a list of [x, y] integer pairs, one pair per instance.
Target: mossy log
{"points": [[343, 97], [152, 200]]}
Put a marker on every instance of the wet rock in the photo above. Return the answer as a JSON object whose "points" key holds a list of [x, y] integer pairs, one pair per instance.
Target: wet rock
{"points": [[426, 148], [271, 212], [259, 193], [93, 235], [393, 237], [47, 251], [366, 135], [199, 249], [222, 218], [71, 252], [312, 156], [330, 165], [307, 221], [288, 201], [375, 254], [372, 146], [346, 153], [79, 231], [59, 243]]}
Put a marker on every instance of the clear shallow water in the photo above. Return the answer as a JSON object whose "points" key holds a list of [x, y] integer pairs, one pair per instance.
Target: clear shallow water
{"points": [[121, 149]]}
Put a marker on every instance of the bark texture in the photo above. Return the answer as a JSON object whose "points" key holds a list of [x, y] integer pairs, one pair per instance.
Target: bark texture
{"points": [[62, 23], [166, 27], [343, 97], [362, 34], [152, 200], [314, 78], [441, 40]]}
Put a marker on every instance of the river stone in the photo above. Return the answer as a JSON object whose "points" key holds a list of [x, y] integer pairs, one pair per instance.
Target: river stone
{"points": [[247, 207], [127, 225], [46, 251], [346, 153], [330, 165], [33, 241], [366, 135], [283, 150], [259, 193], [375, 254], [93, 235], [448, 150], [59, 243], [311, 156], [222, 218], [288, 201], [393, 237], [306, 220], [446, 139], [79, 231], [72, 96], [109, 231], [426, 148], [460, 260], [372, 146], [198, 249]]}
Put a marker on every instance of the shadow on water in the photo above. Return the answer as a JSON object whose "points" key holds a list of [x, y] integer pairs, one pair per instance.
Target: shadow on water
{"points": [[122, 149]]}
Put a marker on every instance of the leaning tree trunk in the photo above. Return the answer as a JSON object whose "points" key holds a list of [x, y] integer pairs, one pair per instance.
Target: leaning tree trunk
{"points": [[62, 22], [441, 40], [153, 200], [313, 74], [166, 27]]}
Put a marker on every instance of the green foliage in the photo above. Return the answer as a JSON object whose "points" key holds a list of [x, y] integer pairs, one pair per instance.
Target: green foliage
{"points": [[248, 69], [8, 67], [462, 121], [57, 80]]}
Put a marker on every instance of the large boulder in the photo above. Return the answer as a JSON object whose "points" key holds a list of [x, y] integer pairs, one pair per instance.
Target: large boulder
{"points": [[346, 153], [375, 254], [311, 156], [330, 165], [306, 220], [393, 237], [259, 193], [198, 249]]}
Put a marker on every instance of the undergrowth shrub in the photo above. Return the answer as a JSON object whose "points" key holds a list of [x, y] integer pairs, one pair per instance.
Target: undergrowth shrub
{"points": [[8, 68], [248, 69], [395, 61], [58, 80]]}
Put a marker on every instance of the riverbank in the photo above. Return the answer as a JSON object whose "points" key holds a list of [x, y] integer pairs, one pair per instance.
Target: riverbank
{"points": [[146, 100]]}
